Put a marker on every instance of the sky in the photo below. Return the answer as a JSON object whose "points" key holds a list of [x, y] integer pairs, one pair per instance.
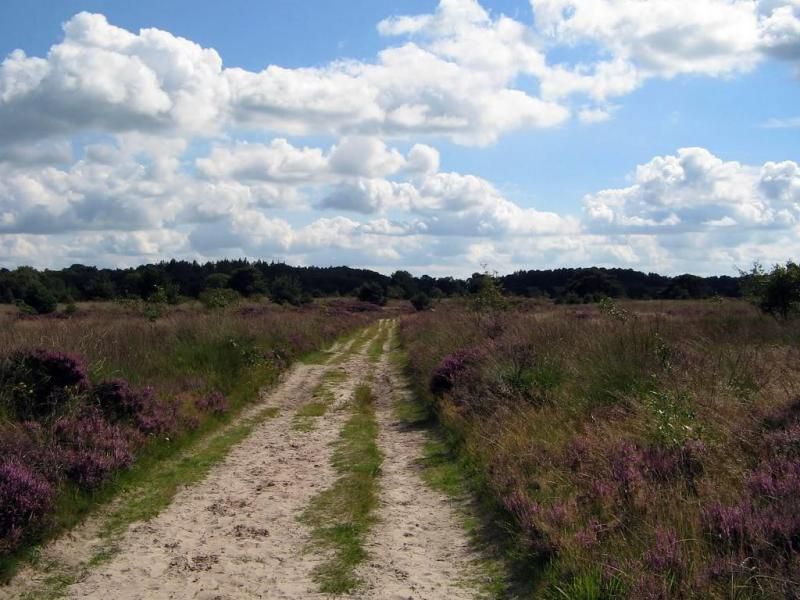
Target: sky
{"points": [[439, 137]]}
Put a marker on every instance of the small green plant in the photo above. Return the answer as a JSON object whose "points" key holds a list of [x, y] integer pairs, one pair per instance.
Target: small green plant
{"points": [[487, 294], [673, 421], [217, 298]]}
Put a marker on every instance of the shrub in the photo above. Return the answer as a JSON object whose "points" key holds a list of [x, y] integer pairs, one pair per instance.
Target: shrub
{"points": [[117, 400], [452, 368], [25, 497], [92, 448], [287, 290], [776, 292], [218, 298], [372, 292], [40, 299], [40, 382], [421, 301]]}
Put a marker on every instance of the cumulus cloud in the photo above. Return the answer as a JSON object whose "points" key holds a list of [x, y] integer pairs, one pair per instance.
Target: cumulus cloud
{"points": [[103, 156], [694, 190]]}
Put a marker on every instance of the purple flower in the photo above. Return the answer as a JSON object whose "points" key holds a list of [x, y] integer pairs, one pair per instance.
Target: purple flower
{"points": [[214, 403], [25, 497]]}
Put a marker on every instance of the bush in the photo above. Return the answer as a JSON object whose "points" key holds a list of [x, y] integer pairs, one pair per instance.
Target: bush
{"points": [[40, 382], [287, 290], [216, 298], [25, 497], [117, 400], [421, 301], [40, 299], [372, 292], [92, 449], [776, 292]]}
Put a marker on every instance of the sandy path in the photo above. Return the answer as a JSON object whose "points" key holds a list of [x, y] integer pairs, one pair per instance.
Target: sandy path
{"points": [[236, 533], [419, 549]]}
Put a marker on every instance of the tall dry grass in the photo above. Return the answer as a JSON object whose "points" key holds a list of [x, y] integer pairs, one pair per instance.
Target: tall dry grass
{"points": [[648, 450]]}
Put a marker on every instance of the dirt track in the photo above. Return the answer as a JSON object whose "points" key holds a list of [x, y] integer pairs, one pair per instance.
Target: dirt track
{"points": [[236, 534]]}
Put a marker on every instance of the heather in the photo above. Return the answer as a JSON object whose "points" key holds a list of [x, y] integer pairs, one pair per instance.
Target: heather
{"points": [[84, 398], [625, 449]]}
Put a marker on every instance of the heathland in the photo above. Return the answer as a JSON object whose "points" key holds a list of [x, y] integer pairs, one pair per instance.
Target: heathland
{"points": [[482, 445]]}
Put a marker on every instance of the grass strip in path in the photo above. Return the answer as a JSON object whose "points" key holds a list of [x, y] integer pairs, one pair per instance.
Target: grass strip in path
{"points": [[375, 350], [341, 516]]}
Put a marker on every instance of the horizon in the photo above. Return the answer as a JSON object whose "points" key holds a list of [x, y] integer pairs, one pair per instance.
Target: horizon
{"points": [[498, 274], [431, 137]]}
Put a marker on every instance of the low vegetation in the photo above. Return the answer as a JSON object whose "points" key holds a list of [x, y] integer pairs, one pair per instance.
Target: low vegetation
{"points": [[82, 400], [341, 516], [628, 449]]}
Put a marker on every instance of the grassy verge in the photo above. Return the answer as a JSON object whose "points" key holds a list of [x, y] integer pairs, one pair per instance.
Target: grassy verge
{"points": [[149, 487], [341, 516]]}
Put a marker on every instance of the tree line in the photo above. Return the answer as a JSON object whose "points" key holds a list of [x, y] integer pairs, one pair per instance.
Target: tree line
{"points": [[171, 281]]}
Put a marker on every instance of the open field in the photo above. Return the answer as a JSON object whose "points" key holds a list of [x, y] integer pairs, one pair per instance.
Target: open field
{"points": [[645, 450], [619, 450]]}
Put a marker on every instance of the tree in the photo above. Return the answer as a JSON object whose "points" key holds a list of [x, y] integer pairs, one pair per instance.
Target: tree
{"points": [[372, 292], [247, 281], [406, 282], [776, 292], [40, 299], [286, 289], [487, 295], [217, 281]]}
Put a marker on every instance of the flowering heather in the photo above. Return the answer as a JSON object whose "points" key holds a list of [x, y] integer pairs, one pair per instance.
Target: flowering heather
{"points": [[91, 448], [25, 497], [452, 367], [214, 403], [668, 444], [30, 443], [118, 400]]}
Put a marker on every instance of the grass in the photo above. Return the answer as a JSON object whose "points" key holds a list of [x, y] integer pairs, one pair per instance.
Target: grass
{"points": [[375, 350], [305, 415], [608, 449], [341, 516]]}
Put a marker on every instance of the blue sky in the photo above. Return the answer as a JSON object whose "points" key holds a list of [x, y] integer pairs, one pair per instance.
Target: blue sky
{"points": [[457, 133]]}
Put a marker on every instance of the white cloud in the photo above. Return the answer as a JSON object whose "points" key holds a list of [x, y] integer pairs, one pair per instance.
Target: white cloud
{"points": [[787, 123], [697, 191]]}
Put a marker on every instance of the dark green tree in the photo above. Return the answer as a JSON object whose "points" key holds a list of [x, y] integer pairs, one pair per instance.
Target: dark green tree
{"points": [[247, 281]]}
